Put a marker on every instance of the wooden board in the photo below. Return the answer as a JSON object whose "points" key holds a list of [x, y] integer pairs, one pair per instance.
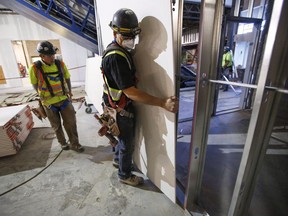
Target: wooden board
{"points": [[16, 122], [2, 77]]}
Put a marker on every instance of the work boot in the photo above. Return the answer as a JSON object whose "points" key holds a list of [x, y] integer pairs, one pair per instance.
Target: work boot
{"points": [[65, 147], [133, 180], [78, 148], [115, 163]]}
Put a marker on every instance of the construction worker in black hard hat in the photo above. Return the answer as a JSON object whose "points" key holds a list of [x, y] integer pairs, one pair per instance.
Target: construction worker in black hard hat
{"points": [[120, 90], [51, 80], [125, 22]]}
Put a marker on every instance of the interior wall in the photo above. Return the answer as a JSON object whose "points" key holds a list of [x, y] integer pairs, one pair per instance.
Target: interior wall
{"points": [[17, 27], [9, 64], [154, 59]]}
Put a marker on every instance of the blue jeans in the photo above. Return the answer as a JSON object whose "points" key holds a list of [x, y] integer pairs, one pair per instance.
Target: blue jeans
{"points": [[125, 148]]}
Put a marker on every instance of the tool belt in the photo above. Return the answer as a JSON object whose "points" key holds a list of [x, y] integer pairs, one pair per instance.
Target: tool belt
{"points": [[39, 111], [125, 113], [108, 119]]}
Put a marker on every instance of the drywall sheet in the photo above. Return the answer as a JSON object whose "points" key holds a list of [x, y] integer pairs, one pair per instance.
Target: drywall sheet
{"points": [[155, 131], [94, 82], [16, 122]]}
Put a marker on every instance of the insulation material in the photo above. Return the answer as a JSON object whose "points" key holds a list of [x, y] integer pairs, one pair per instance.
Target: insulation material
{"points": [[154, 60], [16, 122]]}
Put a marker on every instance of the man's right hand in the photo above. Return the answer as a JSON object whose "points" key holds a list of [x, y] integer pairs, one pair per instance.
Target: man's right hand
{"points": [[171, 104]]}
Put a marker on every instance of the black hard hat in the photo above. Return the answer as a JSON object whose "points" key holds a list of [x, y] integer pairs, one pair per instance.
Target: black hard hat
{"points": [[125, 22], [46, 48]]}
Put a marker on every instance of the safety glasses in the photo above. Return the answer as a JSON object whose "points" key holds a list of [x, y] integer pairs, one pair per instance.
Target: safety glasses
{"points": [[126, 32]]}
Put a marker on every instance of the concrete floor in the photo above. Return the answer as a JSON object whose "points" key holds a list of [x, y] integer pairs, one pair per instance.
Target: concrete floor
{"points": [[226, 140], [41, 179], [49, 181]]}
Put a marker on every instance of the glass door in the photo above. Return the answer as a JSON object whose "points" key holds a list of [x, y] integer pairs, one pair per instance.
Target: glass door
{"points": [[240, 40], [227, 151]]}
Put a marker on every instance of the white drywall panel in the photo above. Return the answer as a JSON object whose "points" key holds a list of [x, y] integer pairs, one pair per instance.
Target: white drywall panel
{"points": [[155, 129], [94, 82]]}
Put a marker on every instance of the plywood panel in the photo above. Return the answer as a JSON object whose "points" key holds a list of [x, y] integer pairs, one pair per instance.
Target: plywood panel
{"points": [[2, 77], [155, 131]]}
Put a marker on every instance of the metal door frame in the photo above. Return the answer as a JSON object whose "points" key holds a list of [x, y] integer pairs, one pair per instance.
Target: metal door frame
{"points": [[208, 49], [229, 20], [266, 101]]}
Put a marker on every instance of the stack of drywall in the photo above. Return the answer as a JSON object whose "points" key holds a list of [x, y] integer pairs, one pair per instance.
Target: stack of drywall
{"points": [[16, 123]]}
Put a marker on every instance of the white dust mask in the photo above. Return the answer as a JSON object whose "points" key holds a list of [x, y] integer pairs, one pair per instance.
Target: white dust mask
{"points": [[128, 44]]}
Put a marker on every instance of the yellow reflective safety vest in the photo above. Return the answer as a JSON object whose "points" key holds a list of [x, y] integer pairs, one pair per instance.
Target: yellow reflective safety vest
{"points": [[115, 95], [50, 84]]}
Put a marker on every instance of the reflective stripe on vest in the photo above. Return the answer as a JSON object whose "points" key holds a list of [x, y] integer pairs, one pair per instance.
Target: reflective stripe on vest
{"points": [[57, 86], [115, 93]]}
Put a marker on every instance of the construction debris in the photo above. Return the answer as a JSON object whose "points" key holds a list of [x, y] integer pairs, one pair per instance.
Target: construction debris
{"points": [[18, 98]]}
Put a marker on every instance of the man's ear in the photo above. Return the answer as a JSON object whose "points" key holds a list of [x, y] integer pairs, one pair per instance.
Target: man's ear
{"points": [[118, 38]]}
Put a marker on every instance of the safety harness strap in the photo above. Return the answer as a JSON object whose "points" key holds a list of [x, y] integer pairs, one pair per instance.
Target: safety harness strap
{"points": [[114, 49], [45, 75], [122, 101], [61, 73], [58, 109], [39, 67], [118, 50]]}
